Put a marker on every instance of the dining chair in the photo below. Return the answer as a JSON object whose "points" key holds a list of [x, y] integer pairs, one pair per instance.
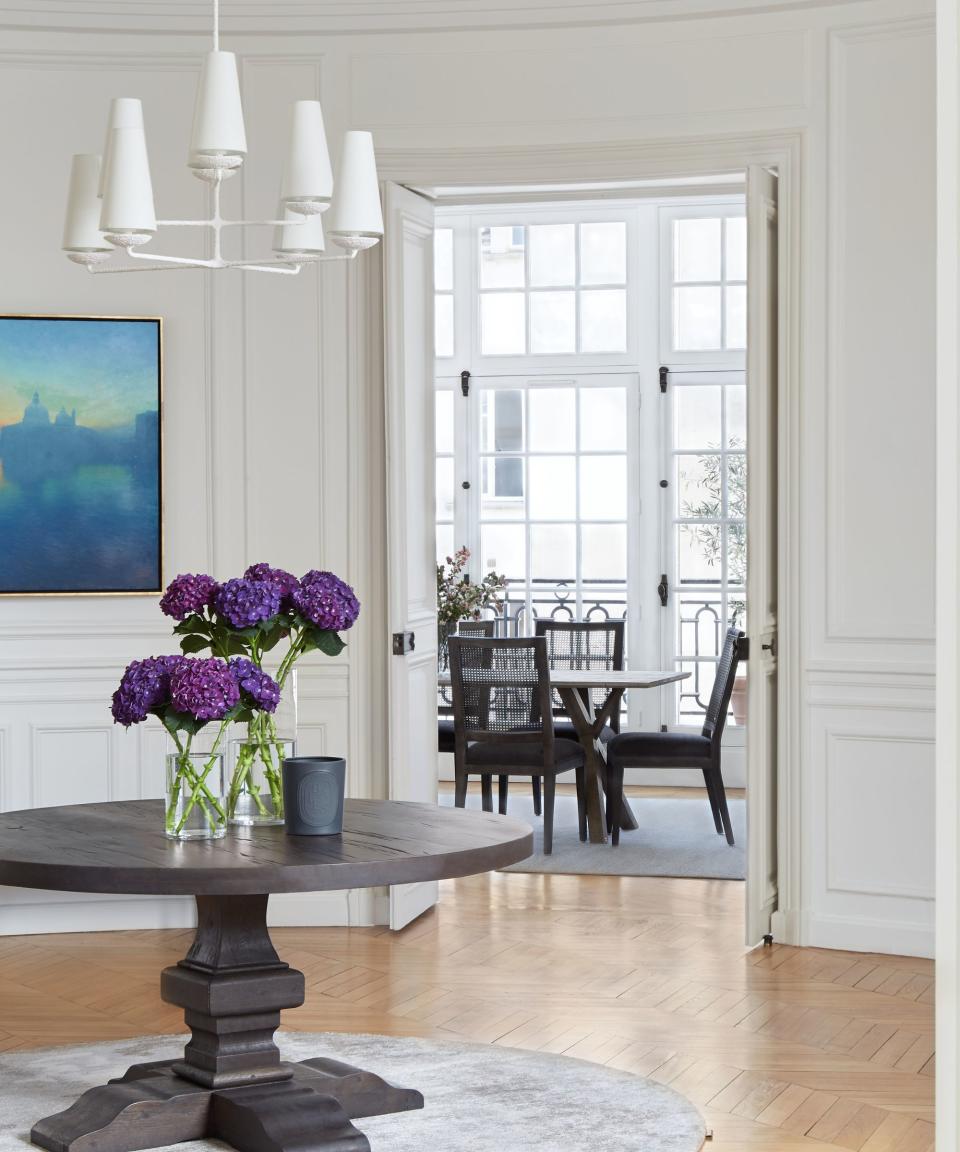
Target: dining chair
{"points": [[503, 723], [681, 749], [445, 738]]}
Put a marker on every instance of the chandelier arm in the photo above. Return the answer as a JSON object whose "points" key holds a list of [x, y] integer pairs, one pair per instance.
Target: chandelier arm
{"points": [[105, 269], [185, 223], [187, 261]]}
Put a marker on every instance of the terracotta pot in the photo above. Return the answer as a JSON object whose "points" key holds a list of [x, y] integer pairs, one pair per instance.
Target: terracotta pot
{"points": [[738, 701]]}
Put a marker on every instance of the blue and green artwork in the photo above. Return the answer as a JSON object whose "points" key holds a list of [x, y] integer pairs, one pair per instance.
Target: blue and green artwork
{"points": [[80, 459]]}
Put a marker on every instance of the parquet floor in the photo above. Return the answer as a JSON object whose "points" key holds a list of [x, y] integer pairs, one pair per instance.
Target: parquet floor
{"points": [[783, 1049]]}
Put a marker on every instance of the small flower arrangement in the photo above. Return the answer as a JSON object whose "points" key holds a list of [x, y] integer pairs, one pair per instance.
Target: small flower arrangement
{"points": [[458, 598], [237, 622]]}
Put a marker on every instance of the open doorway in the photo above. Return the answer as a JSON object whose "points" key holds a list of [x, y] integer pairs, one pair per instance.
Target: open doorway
{"points": [[591, 433]]}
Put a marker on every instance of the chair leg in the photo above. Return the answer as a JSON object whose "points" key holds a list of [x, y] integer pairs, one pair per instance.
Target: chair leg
{"points": [[549, 794], [712, 797], [582, 802], [537, 805], [614, 799], [486, 791], [460, 790], [722, 804], [503, 793]]}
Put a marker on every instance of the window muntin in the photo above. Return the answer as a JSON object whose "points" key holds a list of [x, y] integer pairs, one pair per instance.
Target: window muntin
{"points": [[443, 293], [553, 289]]}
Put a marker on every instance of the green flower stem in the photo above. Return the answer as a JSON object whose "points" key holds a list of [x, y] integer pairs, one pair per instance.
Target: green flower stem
{"points": [[199, 791]]}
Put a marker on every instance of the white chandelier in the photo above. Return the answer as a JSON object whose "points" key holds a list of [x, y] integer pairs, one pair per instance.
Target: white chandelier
{"points": [[110, 210]]}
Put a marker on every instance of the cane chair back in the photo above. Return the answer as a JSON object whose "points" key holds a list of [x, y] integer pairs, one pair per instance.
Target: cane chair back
{"points": [[719, 704], [583, 646]]}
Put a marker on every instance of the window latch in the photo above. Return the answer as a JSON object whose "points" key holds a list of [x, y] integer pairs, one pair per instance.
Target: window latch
{"points": [[465, 382], [663, 590], [664, 373]]}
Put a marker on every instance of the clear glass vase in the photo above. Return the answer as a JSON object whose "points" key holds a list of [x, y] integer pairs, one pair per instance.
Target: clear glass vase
{"points": [[195, 804], [255, 794]]}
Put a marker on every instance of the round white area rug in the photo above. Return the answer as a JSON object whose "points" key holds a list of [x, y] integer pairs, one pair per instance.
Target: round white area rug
{"points": [[479, 1098]]}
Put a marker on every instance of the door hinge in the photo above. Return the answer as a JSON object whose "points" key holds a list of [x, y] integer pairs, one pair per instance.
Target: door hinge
{"points": [[465, 382], [663, 590], [664, 373], [743, 648], [403, 642]]}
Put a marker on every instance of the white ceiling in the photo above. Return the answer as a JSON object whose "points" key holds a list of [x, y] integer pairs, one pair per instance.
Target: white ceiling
{"points": [[364, 16]]}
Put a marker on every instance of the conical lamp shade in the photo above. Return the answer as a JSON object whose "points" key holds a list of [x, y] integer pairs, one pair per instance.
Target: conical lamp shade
{"points": [[81, 230], [218, 113], [127, 216], [302, 238], [356, 218], [125, 112], [307, 176]]}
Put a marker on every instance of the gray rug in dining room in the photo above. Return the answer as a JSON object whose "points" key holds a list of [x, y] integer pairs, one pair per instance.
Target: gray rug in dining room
{"points": [[676, 837], [478, 1097]]}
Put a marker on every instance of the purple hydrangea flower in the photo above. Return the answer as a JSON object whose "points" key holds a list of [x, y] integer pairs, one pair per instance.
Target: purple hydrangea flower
{"points": [[285, 581], [257, 688], [205, 689], [326, 601], [245, 603], [186, 594], [144, 687]]}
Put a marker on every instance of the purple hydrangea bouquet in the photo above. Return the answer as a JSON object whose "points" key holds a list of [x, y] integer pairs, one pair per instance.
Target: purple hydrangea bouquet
{"points": [[242, 621], [187, 694]]}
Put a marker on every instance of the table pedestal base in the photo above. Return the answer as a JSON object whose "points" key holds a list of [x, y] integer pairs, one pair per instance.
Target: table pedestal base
{"points": [[230, 1084]]}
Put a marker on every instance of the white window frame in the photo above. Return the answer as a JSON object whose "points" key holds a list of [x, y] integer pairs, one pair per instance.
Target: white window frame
{"points": [[723, 208]]}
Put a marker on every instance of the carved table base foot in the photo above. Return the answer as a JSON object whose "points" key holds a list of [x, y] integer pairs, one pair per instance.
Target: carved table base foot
{"points": [[151, 1106]]}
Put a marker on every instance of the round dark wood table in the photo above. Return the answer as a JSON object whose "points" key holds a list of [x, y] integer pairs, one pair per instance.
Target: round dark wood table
{"points": [[231, 1083]]}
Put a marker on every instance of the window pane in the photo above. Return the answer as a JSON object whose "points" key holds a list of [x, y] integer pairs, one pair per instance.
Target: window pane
{"points": [[501, 420], [501, 258], [603, 551], [603, 321], [444, 542], [700, 625], [444, 488], [696, 319], [736, 240], [737, 485], [696, 249], [443, 326], [552, 255], [503, 324], [699, 549], [697, 416], [501, 488], [737, 554], [552, 322], [603, 419], [699, 494], [695, 692], [503, 549], [444, 421], [736, 333], [603, 487], [553, 487], [603, 253], [736, 416], [552, 419], [553, 552], [443, 259]]}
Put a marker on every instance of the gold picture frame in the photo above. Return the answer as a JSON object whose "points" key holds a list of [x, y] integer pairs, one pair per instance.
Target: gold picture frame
{"points": [[81, 492]]}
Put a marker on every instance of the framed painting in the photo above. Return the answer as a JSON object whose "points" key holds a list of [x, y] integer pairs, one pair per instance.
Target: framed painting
{"points": [[81, 494]]}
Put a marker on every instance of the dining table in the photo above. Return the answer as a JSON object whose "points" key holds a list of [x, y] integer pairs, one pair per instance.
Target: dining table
{"points": [[576, 687], [231, 1082]]}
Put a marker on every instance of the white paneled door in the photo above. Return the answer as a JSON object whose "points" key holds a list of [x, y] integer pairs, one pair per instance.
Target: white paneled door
{"points": [[762, 431], [408, 281]]}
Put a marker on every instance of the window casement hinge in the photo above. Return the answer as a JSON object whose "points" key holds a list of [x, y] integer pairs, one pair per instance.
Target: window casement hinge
{"points": [[663, 590], [465, 382], [402, 643], [664, 373]]}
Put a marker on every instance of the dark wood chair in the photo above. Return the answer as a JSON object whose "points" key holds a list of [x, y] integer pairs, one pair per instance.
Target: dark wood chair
{"points": [[577, 645], [681, 749], [445, 737], [503, 723]]}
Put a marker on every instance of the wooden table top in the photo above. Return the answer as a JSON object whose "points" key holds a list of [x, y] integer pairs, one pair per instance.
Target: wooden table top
{"points": [[120, 847], [624, 678]]}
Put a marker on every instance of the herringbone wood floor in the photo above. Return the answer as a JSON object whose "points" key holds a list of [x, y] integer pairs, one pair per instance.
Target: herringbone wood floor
{"points": [[783, 1049]]}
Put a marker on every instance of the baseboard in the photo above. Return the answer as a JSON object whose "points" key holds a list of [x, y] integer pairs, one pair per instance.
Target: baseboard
{"points": [[860, 934], [785, 926], [354, 909]]}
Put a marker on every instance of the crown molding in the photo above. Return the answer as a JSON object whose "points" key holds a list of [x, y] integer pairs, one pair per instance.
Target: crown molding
{"points": [[346, 17]]}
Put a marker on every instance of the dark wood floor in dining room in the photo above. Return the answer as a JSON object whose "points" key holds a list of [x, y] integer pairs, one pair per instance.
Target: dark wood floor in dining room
{"points": [[782, 1049]]}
